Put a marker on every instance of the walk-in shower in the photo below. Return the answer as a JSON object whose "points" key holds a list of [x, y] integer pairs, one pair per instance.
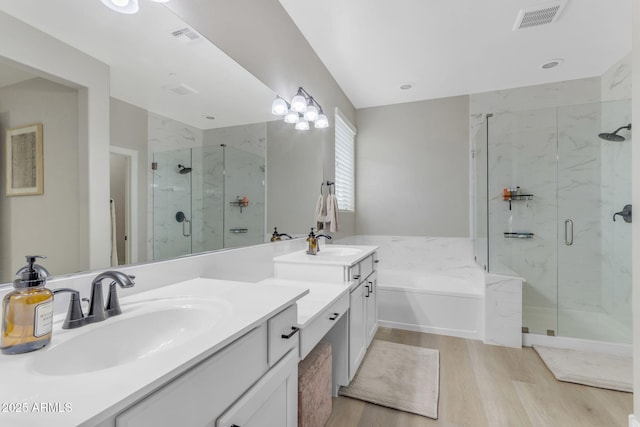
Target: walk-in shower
{"points": [[574, 178], [196, 209]]}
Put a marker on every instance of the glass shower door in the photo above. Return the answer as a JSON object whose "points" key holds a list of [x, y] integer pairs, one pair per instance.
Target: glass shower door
{"points": [[594, 252]]}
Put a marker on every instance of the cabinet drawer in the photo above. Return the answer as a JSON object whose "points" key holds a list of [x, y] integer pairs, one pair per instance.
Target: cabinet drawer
{"points": [[283, 333], [201, 394], [366, 267], [271, 402], [318, 328], [354, 273]]}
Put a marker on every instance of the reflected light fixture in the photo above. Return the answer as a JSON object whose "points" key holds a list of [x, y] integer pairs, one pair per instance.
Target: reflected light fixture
{"points": [[126, 6], [123, 6], [302, 110]]}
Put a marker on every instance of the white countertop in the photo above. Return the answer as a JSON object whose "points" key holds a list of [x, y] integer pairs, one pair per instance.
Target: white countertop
{"points": [[324, 255], [320, 296], [94, 396]]}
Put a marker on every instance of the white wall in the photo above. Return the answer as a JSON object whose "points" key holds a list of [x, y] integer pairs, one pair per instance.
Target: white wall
{"points": [[46, 224], [412, 173], [45, 56]]}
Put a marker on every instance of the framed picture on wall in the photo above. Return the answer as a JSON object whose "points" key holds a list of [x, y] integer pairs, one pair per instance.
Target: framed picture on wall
{"points": [[23, 161]]}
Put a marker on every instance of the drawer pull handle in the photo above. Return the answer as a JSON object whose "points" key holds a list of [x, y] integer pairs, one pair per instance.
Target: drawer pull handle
{"points": [[371, 288], [356, 276], [334, 317], [376, 261], [293, 331], [367, 295]]}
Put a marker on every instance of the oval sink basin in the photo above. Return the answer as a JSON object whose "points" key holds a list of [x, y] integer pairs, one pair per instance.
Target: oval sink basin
{"points": [[130, 337], [339, 252]]}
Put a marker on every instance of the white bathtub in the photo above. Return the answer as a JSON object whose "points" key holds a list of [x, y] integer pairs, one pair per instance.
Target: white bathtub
{"points": [[446, 302]]}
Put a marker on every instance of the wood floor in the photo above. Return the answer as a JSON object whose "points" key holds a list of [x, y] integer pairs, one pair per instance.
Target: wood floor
{"points": [[483, 385]]}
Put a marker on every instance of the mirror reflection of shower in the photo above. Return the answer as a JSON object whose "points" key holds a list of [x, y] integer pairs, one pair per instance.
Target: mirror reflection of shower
{"points": [[613, 136], [183, 170]]}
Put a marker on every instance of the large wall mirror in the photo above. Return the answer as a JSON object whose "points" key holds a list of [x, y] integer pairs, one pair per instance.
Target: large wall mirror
{"points": [[193, 161]]}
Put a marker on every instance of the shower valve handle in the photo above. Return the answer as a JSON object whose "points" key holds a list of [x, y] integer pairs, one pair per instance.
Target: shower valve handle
{"points": [[625, 213]]}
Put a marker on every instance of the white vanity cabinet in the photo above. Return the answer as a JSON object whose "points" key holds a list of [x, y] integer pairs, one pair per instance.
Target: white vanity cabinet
{"points": [[371, 306], [254, 377]]}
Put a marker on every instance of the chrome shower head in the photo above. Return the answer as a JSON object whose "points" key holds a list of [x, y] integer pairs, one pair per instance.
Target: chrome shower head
{"points": [[614, 135], [184, 170]]}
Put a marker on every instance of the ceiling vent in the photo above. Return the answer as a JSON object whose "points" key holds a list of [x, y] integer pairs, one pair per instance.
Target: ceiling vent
{"points": [[179, 89], [186, 35], [541, 14]]}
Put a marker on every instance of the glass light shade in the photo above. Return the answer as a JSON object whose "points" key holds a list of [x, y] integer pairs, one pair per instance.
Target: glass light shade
{"points": [[279, 107], [322, 122], [299, 104], [292, 117], [311, 114], [122, 6], [302, 125]]}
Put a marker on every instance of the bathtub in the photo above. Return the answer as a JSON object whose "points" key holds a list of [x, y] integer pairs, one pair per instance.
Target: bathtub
{"points": [[445, 302]]}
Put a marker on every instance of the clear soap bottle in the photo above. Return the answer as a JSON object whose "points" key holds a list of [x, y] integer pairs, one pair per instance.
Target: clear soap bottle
{"points": [[27, 312]]}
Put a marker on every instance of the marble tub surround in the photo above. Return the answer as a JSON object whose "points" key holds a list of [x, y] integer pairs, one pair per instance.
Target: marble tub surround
{"points": [[433, 284], [96, 395]]}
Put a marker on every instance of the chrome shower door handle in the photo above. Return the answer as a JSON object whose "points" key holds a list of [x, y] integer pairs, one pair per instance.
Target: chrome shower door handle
{"points": [[186, 222], [568, 232]]}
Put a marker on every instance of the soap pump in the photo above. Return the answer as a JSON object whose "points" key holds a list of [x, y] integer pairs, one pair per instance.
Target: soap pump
{"points": [[313, 243], [27, 312]]}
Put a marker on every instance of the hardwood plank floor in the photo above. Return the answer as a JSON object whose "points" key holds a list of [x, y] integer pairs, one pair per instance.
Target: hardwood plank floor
{"points": [[484, 385]]}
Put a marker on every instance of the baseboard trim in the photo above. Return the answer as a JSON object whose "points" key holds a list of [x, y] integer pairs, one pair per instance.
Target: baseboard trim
{"points": [[459, 333], [633, 421]]}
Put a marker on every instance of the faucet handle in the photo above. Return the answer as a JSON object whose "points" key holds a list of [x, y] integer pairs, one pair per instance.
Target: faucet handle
{"points": [[74, 318], [113, 304]]}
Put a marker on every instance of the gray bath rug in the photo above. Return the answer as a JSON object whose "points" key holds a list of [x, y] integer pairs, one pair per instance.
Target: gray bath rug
{"points": [[592, 369], [398, 376]]}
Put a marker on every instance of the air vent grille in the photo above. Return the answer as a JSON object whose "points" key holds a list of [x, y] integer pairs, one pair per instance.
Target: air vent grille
{"points": [[186, 35], [540, 15], [180, 89]]}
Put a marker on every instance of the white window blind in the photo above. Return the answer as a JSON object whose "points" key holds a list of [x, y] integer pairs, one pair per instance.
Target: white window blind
{"points": [[345, 163]]}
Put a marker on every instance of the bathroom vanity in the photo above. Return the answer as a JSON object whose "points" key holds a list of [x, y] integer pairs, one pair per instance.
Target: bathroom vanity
{"points": [[200, 352], [355, 266]]}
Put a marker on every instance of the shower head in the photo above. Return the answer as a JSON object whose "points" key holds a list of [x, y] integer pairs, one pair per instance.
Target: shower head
{"points": [[614, 136], [184, 170]]}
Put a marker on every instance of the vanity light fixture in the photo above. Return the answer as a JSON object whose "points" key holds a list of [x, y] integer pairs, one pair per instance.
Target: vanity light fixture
{"points": [[302, 110]]}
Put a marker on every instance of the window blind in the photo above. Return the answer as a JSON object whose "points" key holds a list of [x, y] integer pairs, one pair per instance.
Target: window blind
{"points": [[345, 163]]}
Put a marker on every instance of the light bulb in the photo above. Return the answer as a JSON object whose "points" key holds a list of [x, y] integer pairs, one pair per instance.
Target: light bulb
{"points": [[299, 104], [122, 6], [279, 107], [322, 121], [302, 125], [291, 117], [311, 114]]}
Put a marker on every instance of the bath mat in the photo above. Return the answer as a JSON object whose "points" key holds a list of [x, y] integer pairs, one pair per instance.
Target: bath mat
{"points": [[587, 368], [398, 376]]}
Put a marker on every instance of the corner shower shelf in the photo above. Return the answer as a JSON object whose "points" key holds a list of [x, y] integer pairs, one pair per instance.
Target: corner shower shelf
{"points": [[518, 235]]}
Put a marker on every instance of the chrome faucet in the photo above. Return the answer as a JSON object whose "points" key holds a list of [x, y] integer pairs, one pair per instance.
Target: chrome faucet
{"points": [[98, 311]]}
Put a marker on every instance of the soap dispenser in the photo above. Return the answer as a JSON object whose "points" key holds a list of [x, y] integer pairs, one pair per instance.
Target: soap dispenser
{"points": [[313, 243], [27, 312]]}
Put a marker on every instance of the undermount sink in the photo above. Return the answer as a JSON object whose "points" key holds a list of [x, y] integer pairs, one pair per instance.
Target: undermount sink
{"points": [[144, 329], [339, 251]]}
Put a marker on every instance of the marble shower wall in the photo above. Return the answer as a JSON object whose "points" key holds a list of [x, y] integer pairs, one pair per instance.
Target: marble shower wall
{"points": [[244, 166], [616, 192]]}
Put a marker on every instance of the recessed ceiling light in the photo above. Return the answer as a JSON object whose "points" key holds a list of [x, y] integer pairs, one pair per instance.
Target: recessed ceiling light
{"points": [[551, 63], [407, 85]]}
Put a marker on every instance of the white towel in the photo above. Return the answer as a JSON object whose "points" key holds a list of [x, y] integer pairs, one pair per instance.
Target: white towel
{"points": [[320, 213], [332, 213], [114, 242]]}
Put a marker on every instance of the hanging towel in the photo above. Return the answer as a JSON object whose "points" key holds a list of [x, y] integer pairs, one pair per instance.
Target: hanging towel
{"points": [[114, 243], [320, 213], [332, 213]]}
